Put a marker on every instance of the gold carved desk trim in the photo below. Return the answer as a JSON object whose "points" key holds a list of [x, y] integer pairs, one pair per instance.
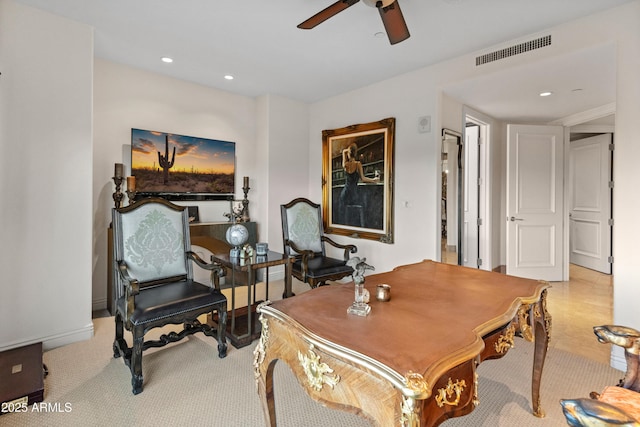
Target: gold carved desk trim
{"points": [[406, 388]]}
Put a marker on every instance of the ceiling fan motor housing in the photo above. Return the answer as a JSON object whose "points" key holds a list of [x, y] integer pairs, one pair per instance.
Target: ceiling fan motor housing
{"points": [[378, 3]]}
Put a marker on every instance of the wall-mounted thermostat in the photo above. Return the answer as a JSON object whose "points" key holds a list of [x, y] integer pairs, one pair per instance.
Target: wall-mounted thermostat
{"points": [[424, 124]]}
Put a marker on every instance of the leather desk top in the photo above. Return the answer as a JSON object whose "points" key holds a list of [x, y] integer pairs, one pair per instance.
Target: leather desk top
{"points": [[436, 318]]}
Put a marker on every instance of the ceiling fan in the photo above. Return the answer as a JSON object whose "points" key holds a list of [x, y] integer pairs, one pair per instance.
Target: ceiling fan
{"points": [[390, 13]]}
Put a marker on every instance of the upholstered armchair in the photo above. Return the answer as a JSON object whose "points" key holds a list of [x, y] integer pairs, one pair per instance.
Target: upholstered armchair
{"points": [[154, 283], [616, 405], [304, 239]]}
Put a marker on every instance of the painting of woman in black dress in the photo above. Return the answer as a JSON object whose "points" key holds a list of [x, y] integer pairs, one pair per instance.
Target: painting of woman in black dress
{"points": [[358, 180], [351, 204]]}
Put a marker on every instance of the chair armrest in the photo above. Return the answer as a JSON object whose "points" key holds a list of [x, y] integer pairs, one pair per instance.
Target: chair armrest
{"points": [[347, 248], [217, 271], [304, 254], [202, 263], [133, 288]]}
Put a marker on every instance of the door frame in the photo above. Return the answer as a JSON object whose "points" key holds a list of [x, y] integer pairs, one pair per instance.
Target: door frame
{"points": [[572, 124], [603, 143], [458, 160], [485, 212]]}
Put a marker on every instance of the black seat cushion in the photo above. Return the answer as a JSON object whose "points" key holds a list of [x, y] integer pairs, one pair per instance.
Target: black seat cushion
{"points": [[323, 266], [167, 300]]}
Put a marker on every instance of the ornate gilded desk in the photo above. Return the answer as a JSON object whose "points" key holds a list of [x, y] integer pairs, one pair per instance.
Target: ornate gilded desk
{"points": [[412, 361]]}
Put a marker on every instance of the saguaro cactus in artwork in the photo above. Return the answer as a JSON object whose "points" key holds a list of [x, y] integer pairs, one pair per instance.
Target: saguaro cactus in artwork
{"points": [[164, 162]]}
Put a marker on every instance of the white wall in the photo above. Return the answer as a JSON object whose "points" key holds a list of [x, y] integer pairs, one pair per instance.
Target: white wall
{"points": [[287, 160], [45, 178], [415, 94], [416, 155], [45, 112], [126, 98], [626, 202]]}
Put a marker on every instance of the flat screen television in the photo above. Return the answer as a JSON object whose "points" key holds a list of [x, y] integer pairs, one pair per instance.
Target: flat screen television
{"points": [[179, 167]]}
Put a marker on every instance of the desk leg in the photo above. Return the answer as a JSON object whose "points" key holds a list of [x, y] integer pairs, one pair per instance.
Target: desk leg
{"points": [[263, 366], [233, 301], [265, 392], [541, 324], [287, 280], [251, 283]]}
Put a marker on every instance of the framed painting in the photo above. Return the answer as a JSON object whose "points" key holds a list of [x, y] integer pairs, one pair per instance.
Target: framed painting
{"points": [[357, 180], [180, 167]]}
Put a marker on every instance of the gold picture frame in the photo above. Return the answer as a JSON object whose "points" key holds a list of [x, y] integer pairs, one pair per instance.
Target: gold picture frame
{"points": [[357, 180]]}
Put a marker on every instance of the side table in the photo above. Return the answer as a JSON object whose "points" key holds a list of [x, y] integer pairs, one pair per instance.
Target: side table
{"points": [[239, 333]]}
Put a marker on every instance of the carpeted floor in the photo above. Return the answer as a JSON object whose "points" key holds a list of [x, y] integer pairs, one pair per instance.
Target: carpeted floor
{"points": [[186, 384]]}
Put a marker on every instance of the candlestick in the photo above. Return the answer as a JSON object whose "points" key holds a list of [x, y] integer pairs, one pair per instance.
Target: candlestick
{"points": [[132, 196], [119, 170], [245, 201], [131, 183], [117, 195]]}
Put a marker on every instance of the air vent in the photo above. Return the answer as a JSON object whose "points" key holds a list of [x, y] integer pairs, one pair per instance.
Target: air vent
{"points": [[514, 50]]}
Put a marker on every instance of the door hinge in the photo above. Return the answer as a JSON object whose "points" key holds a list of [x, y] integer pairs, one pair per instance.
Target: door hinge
{"points": [[612, 147], [610, 260], [479, 222], [479, 262], [479, 182], [611, 221], [611, 184]]}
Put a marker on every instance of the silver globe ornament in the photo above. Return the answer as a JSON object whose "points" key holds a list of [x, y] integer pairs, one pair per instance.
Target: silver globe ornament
{"points": [[237, 235]]}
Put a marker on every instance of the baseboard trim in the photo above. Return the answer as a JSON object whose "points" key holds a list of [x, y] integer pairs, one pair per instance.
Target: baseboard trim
{"points": [[58, 340], [99, 304], [70, 337]]}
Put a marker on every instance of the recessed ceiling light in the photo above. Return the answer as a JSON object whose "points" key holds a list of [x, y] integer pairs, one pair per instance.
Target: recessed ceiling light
{"points": [[228, 77], [167, 59], [379, 34], [576, 90], [546, 93]]}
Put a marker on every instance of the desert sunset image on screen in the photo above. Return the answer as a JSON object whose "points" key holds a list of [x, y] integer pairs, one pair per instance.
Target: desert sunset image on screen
{"points": [[170, 163]]}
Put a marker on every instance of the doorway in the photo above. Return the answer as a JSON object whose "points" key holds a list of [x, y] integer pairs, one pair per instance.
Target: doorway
{"points": [[451, 196], [590, 201], [465, 193]]}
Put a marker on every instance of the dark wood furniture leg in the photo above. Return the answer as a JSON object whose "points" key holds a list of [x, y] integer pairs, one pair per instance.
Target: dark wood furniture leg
{"points": [[541, 324], [288, 292]]}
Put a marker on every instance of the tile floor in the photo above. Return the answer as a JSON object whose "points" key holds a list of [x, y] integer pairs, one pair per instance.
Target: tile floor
{"points": [[576, 306]]}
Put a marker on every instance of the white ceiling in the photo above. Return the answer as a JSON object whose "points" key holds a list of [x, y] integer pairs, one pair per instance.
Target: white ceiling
{"points": [[257, 41]]}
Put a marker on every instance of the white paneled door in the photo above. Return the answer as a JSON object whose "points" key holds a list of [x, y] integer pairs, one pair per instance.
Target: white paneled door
{"points": [[534, 201], [590, 202]]}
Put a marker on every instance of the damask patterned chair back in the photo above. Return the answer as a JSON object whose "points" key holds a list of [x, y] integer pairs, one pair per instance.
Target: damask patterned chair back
{"points": [[151, 240], [303, 225]]}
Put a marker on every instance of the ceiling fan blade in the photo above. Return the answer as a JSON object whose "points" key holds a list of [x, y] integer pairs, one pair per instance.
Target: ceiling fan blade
{"points": [[394, 23], [327, 13]]}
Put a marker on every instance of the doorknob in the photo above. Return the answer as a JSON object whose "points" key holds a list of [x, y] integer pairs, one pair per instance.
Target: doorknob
{"points": [[513, 218]]}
